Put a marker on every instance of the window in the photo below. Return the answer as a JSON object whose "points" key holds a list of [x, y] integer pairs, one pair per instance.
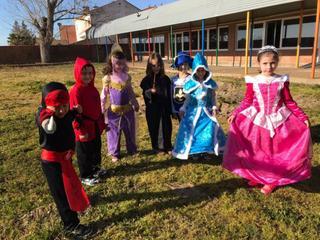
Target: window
{"points": [[257, 38], [241, 37], [307, 35], [178, 42], [185, 41], [205, 39], [194, 40], [212, 39], [290, 32], [273, 30], [223, 38]]}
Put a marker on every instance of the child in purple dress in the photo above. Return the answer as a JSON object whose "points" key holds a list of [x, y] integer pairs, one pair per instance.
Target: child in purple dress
{"points": [[119, 115]]}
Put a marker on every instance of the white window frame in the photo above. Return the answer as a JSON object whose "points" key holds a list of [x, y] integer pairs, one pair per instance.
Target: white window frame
{"points": [[224, 49], [208, 38], [263, 34], [282, 29]]}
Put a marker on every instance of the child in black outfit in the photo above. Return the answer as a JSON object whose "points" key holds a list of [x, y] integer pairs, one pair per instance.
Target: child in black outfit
{"points": [[57, 141], [156, 87]]}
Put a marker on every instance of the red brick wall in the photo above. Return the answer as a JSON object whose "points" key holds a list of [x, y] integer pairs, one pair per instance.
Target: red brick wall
{"points": [[61, 53], [68, 34]]}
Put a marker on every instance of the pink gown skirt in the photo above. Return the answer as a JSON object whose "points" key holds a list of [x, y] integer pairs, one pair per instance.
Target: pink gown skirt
{"points": [[284, 159]]}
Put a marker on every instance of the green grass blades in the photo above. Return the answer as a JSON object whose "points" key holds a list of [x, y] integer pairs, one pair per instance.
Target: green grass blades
{"points": [[147, 196]]}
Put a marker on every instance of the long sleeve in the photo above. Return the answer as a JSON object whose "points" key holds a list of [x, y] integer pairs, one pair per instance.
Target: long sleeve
{"points": [[49, 125], [291, 104], [104, 98], [75, 99], [146, 89], [247, 101], [185, 104], [214, 98]]}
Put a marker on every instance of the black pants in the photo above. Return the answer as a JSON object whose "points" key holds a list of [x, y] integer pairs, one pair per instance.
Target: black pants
{"points": [[160, 128], [53, 173], [89, 156]]}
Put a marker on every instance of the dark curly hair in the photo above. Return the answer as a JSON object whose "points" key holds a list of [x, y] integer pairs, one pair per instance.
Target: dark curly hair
{"points": [[107, 70], [153, 56]]}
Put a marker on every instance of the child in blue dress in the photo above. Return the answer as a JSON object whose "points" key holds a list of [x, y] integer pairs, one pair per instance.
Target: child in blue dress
{"points": [[199, 131], [182, 62]]}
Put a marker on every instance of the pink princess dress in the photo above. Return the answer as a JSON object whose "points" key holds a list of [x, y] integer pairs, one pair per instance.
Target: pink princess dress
{"points": [[268, 141]]}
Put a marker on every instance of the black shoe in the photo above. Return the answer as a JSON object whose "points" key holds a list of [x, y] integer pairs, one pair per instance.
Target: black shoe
{"points": [[80, 230], [100, 173]]}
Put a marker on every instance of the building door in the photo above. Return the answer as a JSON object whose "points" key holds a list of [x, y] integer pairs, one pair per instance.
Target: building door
{"points": [[273, 32]]}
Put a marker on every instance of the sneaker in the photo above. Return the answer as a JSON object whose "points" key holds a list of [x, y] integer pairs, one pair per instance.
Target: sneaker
{"points": [[90, 181], [101, 173], [80, 230]]}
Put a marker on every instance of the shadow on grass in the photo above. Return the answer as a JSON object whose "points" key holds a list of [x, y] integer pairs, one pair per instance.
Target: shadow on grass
{"points": [[315, 133], [310, 185], [170, 199], [145, 166]]}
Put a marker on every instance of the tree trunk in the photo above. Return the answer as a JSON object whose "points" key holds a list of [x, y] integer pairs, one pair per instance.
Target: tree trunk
{"points": [[44, 51]]}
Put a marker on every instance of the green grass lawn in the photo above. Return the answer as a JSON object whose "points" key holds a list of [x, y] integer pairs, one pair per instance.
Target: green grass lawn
{"points": [[147, 196]]}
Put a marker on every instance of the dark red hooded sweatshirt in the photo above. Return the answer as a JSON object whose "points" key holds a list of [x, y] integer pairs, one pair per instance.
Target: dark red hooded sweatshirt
{"points": [[89, 98]]}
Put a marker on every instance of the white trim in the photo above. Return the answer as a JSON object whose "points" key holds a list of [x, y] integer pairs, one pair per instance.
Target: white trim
{"points": [[262, 79], [215, 139], [188, 147]]}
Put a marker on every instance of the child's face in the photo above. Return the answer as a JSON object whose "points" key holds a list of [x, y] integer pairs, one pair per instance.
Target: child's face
{"points": [[120, 65], [184, 68], [87, 75], [268, 64], [155, 66], [201, 72], [61, 110]]}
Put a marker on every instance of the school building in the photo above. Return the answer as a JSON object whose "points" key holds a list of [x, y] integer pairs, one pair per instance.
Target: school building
{"points": [[228, 32]]}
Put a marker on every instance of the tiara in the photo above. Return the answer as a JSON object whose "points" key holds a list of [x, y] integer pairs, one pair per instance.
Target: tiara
{"points": [[268, 48]]}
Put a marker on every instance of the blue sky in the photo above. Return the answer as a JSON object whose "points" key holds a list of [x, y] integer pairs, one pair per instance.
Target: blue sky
{"points": [[7, 16]]}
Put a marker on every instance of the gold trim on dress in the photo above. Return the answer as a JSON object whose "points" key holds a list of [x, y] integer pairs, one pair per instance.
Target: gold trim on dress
{"points": [[120, 109]]}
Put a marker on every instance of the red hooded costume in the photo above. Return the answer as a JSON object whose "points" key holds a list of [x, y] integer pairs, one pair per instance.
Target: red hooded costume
{"points": [[89, 98]]}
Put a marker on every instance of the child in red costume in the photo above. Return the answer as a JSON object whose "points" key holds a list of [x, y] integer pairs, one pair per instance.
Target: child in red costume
{"points": [[88, 132], [54, 121]]}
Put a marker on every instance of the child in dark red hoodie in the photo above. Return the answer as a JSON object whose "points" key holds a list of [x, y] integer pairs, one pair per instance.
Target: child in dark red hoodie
{"points": [[56, 138], [88, 132]]}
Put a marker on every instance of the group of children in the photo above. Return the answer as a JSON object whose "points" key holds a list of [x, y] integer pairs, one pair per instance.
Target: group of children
{"points": [[268, 142]]}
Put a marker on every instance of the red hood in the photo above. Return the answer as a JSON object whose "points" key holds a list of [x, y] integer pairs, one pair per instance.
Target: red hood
{"points": [[78, 65]]}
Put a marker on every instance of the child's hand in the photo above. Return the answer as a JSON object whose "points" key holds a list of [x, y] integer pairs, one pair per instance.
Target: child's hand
{"points": [[153, 90], [83, 137], [78, 108], [52, 108], [181, 114], [230, 119], [307, 123]]}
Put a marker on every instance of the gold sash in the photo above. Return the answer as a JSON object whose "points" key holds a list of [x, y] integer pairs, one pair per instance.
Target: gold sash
{"points": [[120, 109]]}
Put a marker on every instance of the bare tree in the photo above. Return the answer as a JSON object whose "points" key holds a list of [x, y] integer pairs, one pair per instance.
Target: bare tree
{"points": [[43, 14]]}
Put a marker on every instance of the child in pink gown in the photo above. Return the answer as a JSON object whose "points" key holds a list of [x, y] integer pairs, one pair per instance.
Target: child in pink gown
{"points": [[269, 140]]}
